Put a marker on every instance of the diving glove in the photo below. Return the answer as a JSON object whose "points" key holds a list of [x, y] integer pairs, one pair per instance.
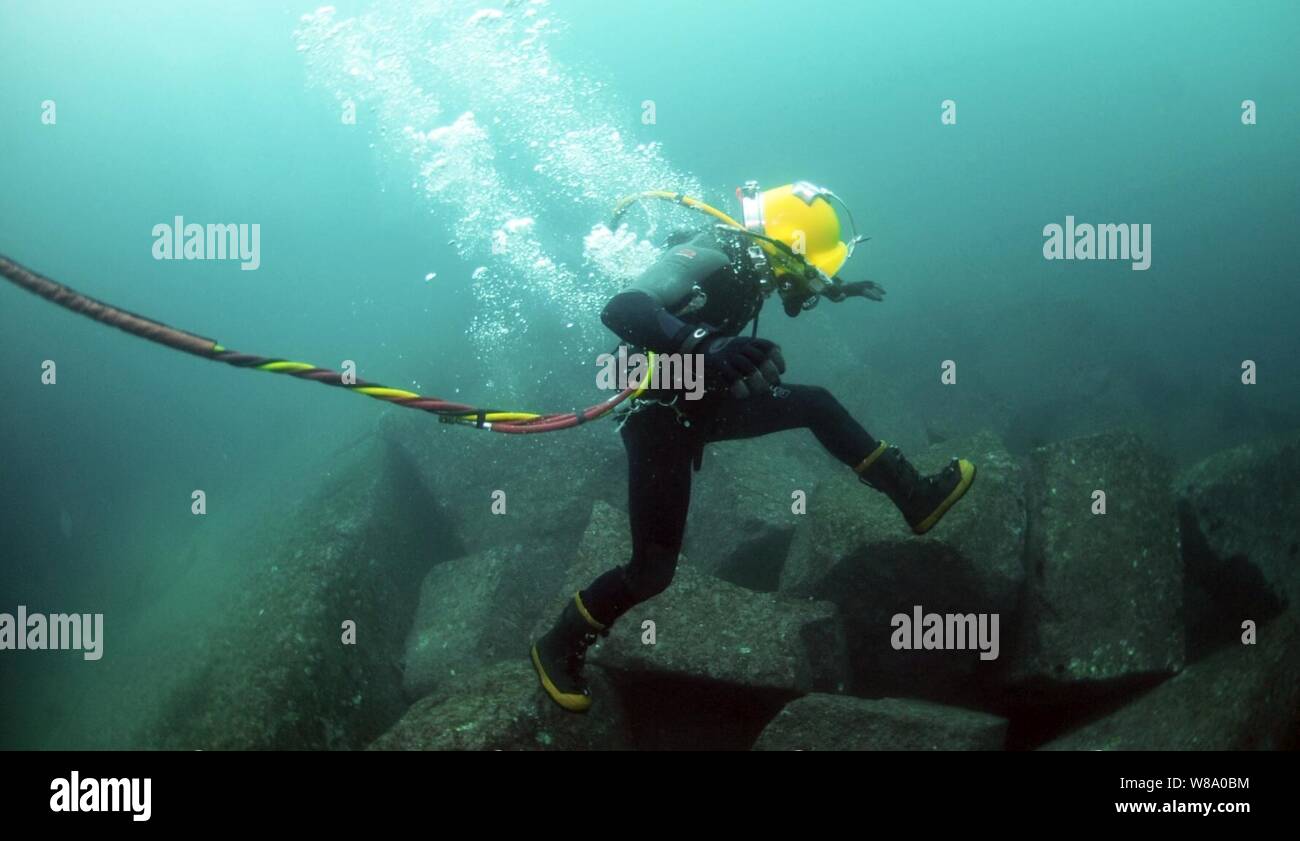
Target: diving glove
{"points": [[868, 289], [745, 366], [842, 290]]}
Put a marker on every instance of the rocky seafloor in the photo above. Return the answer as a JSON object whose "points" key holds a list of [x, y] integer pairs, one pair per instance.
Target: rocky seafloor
{"points": [[1117, 630]]}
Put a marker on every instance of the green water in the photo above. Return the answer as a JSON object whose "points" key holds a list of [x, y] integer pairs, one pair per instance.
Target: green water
{"points": [[1111, 112]]}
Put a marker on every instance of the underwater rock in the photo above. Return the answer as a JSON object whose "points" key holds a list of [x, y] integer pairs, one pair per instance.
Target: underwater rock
{"points": [[856, 550], [841, 722], [1047, 420], [277, 672], [478, 609], [1241, 533], [502, 707], [741, 523], [705, 629], [1242, 697], [1104, 592], [710, 629], [498, 492]]}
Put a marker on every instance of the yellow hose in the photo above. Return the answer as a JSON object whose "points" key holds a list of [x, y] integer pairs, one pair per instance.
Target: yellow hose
{"points": [[696, 204]]}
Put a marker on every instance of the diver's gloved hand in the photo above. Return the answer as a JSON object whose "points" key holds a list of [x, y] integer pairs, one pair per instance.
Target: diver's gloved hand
{"points": [[864, 289], [793, 305], [743, 365]]}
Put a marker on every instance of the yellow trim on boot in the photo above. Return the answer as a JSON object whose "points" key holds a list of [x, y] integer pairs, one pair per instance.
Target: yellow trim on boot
{"points": [[871, 459], [582, 608], [967, 478], [571, 701]]}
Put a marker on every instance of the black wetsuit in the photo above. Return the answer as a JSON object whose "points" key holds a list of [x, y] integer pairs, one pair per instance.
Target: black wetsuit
{"points": [[707, 282]]}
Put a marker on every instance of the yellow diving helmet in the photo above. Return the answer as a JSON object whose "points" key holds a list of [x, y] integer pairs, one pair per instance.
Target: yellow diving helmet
{"points": [[802, 216]]}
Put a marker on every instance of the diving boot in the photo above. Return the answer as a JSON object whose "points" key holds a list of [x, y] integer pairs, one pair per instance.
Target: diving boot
{"points": [[559, 655], [923, 500]]}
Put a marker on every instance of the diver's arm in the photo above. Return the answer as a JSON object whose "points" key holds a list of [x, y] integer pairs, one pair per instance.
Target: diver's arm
{"points": [[836, 291], [839, 290], [643, 314]]}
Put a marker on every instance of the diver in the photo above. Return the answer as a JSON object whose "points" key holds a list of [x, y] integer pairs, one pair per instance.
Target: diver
{"points": [[697, 299]]}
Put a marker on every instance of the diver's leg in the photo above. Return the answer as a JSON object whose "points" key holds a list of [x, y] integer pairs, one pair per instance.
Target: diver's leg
{"points": [[791, 407], [659, 453], [659, 488], [922, 500]]}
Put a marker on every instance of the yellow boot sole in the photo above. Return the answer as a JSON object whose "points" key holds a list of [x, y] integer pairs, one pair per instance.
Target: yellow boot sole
{"points": [[967, 479], [570, 701]]}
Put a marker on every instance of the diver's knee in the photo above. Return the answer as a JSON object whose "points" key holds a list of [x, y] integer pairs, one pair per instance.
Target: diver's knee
{"points": [[822, 406], [816, 398], [653, 574]]}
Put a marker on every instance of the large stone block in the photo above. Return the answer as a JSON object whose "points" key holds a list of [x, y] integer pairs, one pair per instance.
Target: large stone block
{"points": [[840, 722], [741, 522], [502, 707], [1104, 592], [276, 673], [478, 609], [1241, 536], [546, 482], [1242, 697], [855, 550], [708, 629]]}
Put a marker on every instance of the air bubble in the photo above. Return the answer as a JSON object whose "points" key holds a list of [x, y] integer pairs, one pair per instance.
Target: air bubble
{"points": [[406, 63]]}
